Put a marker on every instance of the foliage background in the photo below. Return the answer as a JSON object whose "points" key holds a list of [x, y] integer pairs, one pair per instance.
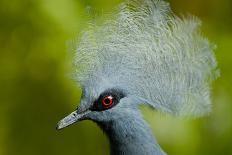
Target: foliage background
{"points": [[35, 91]]}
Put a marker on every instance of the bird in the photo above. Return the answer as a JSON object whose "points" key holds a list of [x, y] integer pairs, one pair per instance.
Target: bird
{"points": [[143, 55]]}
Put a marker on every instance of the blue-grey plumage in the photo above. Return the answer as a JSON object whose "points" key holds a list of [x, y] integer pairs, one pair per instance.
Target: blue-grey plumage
{"points": [[144, 55]]}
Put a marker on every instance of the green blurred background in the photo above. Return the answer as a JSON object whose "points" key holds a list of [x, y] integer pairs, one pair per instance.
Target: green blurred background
{"points": [[35, 91]]}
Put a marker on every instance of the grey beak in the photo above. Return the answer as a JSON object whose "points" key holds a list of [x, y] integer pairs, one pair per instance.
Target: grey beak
{"points": [[70, 119]]}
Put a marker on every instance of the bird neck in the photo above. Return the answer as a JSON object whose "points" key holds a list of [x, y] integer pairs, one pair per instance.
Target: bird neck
{"points": [[131, 135]]}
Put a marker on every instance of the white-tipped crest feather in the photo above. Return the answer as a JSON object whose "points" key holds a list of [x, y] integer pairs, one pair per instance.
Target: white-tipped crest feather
{"points": [[152, 54]]}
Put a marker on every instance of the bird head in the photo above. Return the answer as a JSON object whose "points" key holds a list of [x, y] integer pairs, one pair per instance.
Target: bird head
{"points": [[143, 54], [104, 104]]}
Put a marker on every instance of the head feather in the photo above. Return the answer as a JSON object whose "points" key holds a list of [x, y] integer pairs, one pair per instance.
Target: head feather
{"points": [[151, 53]]}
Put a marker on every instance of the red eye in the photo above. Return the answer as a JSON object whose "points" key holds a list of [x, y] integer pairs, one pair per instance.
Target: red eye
{"points": [[107, 101]]}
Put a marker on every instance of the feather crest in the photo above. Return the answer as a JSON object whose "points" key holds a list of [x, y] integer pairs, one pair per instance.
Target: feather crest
{"points": [[148, 51]]}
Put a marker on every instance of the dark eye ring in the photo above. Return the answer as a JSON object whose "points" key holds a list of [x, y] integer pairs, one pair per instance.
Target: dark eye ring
{"points": [[107, 101]]}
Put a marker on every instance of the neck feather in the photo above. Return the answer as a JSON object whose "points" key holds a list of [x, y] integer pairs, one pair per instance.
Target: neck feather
{"points": [[131, 135]]}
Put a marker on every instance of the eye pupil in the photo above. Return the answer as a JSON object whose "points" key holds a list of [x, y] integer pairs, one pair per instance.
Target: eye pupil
{"points": [[107, 101]]}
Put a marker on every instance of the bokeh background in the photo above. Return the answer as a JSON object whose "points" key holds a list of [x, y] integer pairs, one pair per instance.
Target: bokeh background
{"points": [[35, 91]]}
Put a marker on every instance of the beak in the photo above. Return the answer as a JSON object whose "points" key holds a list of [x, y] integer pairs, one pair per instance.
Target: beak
{"points": [[70, 119]]}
